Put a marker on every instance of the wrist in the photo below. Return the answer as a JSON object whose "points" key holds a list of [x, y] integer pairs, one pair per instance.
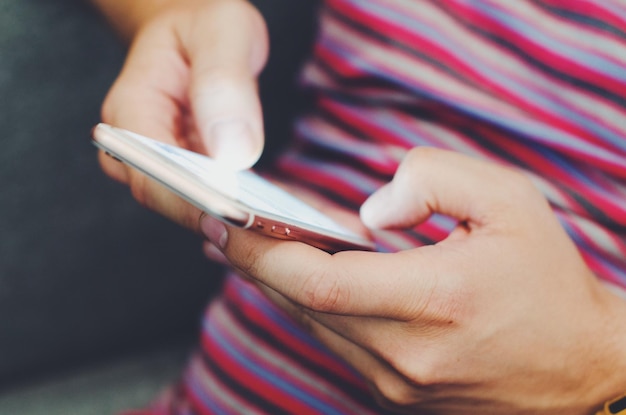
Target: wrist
{"points": [[611, 341]]}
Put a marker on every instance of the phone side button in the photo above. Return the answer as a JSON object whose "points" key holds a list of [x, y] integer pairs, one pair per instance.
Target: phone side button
{"points": [[282, 230]]}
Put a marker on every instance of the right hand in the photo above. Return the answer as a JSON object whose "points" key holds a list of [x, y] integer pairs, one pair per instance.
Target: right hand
{"points": [[190, 80]]}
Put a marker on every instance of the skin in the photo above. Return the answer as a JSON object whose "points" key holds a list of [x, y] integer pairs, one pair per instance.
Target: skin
{"points": [[498, 318], [190, 80], [501, 317]]}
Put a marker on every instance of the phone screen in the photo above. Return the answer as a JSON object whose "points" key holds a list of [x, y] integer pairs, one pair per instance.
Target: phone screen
{"points": [[244, 186]]}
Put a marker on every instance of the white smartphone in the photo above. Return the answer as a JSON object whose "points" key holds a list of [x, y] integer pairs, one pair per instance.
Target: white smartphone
{"points": [[240, 198]]}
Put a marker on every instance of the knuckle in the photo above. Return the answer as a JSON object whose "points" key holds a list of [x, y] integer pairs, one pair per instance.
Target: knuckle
{"points": [[431, 375], [415, 161], [221, 93], [418, 156], [428, 375], [189, 216], [411, 160], [393, 392], [324, 293], [249, 261], [216, 78], [444, 297], [449, 297], [423, 153], [396, 397], [218, 81]]}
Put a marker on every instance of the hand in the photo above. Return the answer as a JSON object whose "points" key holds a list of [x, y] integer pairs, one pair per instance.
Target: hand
{"points": [[190, 80], [501, 317]]}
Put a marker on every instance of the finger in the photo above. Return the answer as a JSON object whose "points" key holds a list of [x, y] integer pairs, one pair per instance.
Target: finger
{"points": [[150, 98], [227, 47], [147, 96], [387, 384], [114, 168], [425, 283], [350, 283], [436, 181], [137, 104], [211, 252], [154, 196]]}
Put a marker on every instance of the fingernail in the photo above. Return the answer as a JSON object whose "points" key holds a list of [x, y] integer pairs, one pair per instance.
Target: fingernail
{"points": [[373, 209], [215, 231], [232, 143], [211, 252]]}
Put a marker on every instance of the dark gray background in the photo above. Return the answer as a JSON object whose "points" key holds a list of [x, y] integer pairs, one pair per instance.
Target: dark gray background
{"points": [[87, 275]]}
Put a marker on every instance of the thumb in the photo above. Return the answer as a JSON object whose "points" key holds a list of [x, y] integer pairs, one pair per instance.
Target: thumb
{"points": [[228, 47], [432, 181]]}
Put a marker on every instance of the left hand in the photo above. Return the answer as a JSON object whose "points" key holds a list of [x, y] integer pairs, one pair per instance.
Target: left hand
{"points": [[501, 317]]}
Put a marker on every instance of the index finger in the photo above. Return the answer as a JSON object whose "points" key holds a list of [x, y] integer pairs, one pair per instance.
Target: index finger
{"points": [[228, 47], [348, 282]]}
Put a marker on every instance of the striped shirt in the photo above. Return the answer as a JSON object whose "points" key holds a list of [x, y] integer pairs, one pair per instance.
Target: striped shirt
{"points": [[536, 84]]}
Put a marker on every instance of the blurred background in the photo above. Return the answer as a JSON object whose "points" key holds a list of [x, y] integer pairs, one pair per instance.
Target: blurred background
{"points": [[99, 299]]}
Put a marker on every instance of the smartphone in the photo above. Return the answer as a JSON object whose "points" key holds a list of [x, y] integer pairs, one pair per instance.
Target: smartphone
{"points": [[239, 198]]}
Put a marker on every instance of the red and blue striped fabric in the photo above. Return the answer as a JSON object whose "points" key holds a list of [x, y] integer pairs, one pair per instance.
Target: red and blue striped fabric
{"points": [[537, 84]]}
